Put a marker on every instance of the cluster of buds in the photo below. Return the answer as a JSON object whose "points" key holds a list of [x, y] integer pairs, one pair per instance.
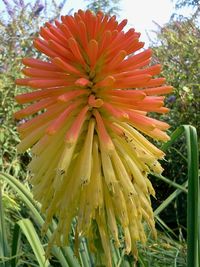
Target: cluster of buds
{"points": [[90, 158]]}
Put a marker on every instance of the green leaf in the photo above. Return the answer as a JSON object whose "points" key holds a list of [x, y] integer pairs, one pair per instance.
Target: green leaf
{"points": [[29, 231], [4, 250], [193, 196], [174, 136], [64, 255], [15, 245], [84, 253], [169, 199], [193, 230], [168, 181]]}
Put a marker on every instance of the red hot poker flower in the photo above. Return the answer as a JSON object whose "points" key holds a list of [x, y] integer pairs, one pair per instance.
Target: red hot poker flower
{"points": [[90, 159]]}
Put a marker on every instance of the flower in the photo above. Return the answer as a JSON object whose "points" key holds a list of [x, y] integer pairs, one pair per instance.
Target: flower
{"points": [[171, 99], [39, 8], [92, 96]]}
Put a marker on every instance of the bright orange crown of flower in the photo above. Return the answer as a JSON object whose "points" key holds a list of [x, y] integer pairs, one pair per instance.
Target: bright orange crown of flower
{"points": [[90, 160]]}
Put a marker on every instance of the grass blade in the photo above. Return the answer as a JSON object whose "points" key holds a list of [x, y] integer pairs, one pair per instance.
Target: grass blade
{"points": [[174, 136], [15, 245], [4, 251], [193, 198], [169, 199], [64, 255], [164, 226], [84, 253], [29, 231], [168, 181]]}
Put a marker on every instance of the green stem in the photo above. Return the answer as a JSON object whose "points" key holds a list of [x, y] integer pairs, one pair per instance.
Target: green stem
{"points": [[193, 198], [177, 186]]}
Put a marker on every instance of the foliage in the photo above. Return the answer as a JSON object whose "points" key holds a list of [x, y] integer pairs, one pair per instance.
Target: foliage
{"points": [[183, 3], [107, 6], [178, 51]]}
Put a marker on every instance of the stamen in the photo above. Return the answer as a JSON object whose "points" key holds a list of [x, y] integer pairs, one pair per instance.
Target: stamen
{"points": [[83, 82]]}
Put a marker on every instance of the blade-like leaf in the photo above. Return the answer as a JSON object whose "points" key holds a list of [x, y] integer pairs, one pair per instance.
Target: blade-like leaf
{"points": [[15, 245], [168, 181], [193, 197], [29, 231], [169, 199], [174, 136], [64, 255], [4, 250]]}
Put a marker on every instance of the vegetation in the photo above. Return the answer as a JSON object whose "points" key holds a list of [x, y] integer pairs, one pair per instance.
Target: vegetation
{"points": [[177, 49], [108, 6], [183, 3], [21, 241]]}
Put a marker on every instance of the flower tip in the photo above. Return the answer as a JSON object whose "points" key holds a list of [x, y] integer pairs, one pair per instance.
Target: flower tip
{"points": [[122, 24], [107, 82], [17, 115], [166, 139], [159, 66], [20, 82], [96, 103], [35, 41], [62, 17], [149, 52], [123, 54], [82, 82], [50, 131], [25, 71], [61, 98], [51, 43], [17, 98], [24, 60]]}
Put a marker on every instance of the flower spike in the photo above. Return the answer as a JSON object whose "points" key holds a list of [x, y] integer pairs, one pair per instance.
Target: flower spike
{"points": [[90, 100]]}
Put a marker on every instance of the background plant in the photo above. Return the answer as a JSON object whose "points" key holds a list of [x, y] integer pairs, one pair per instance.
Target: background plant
{"points": [[107, 6], [177, 48], [178, 51]]}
